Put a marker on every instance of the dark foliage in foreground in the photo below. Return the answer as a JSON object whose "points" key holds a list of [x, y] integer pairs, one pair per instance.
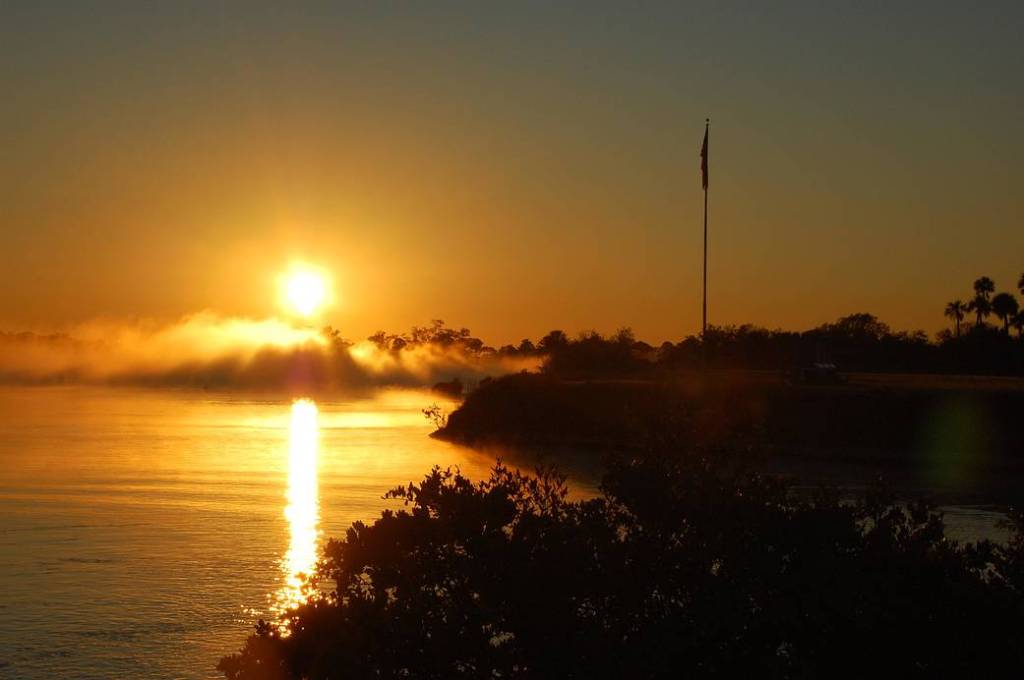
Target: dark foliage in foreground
{"points": [[677, 569]]}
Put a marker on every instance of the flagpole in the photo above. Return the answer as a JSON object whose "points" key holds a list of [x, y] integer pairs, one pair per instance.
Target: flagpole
{"points": [[704, 309]]}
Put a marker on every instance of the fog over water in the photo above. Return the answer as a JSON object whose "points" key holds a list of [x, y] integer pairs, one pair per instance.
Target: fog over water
{"points": [[207, 350]]}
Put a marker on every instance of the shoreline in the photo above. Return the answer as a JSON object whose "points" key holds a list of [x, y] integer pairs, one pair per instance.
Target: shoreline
{"points": [[960, 434]]}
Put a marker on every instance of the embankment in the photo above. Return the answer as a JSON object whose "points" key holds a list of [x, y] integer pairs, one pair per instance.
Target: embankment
{"points": [[949, 429]]}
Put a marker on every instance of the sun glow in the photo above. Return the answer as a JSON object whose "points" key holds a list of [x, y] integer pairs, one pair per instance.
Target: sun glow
{"points": [[305, 291]]}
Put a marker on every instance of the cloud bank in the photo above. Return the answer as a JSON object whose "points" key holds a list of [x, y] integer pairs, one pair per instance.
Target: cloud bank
{"points": [[212, 352]]}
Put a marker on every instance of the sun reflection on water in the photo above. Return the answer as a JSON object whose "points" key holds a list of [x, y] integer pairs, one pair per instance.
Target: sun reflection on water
{"points": [[303, 509]]}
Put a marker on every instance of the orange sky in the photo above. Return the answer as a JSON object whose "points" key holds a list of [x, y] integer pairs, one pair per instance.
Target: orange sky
{"points": [[509, 170]]}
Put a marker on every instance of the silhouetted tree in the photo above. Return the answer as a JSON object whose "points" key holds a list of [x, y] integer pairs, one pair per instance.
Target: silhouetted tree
{"points": [[1020, 284], [1005, 307], [592, 355], [624, 336], [956, 310], [1018, 323], [526, 347], [858, 327], [386, 342], [683, 566], [981, 307], [437, 335], [984, 287], [436, 415], [553, 341]]}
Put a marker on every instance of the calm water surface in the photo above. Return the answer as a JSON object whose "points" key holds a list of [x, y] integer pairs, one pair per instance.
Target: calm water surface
{"points": [[143, 533]]}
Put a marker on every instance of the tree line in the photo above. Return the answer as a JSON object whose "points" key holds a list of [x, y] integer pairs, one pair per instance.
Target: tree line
{"points": [[859, 341], [986, 302]]}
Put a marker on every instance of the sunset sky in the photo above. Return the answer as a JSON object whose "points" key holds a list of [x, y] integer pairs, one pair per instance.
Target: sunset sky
{"points": [[511, 169]]}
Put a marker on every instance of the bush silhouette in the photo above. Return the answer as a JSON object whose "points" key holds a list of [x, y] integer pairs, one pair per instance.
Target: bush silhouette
{"points": [[684, 565]]}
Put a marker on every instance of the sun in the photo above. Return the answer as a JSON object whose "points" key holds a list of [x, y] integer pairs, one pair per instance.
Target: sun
{"points": [[305, 291]]}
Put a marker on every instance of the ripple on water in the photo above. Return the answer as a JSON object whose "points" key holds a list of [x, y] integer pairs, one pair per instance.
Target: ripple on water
{"points": [[144, 531]]}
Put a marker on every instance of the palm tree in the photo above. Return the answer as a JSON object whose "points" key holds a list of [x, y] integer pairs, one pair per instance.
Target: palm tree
{"points": [[981, 307], [1020, 284], [984, 287], [1018, 323], [1005, 307], [956, 310]]}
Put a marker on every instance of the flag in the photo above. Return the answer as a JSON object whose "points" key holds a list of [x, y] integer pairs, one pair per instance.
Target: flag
{"points": [[704, 160]]}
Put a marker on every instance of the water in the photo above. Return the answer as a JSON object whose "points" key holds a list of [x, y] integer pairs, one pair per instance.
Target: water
{"points": [[143, 533]]}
